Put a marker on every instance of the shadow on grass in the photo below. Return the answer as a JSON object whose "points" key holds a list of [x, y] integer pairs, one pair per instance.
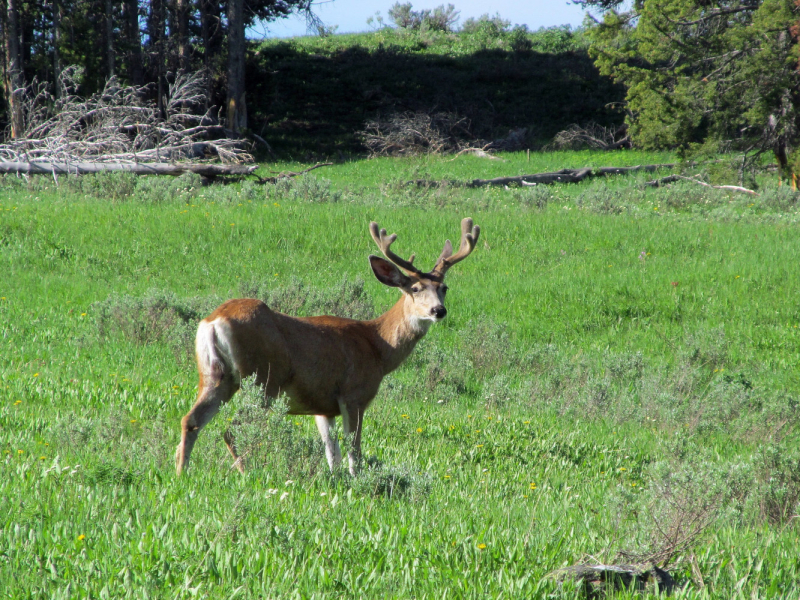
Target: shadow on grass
{"points": [[309, 105]]}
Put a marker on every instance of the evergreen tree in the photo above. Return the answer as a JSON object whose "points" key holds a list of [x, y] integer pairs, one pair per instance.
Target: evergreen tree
{"points": [[705, 74]]}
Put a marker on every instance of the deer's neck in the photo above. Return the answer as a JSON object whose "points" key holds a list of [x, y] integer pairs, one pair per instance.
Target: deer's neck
{"points": [[400, 331]]}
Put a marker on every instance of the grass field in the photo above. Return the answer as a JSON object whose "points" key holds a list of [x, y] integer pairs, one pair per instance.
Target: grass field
{"points": [[618, 372]]}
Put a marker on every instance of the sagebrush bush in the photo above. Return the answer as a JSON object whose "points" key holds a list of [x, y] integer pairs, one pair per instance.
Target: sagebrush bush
{"points": [[444, 373], [537, 196], [777, 472], [602, 200], [667, 517], [304, 189], [392, 482], [137, 445], [156, 317], [158, 189], [348, 299], [265, 439], [778, 198]]}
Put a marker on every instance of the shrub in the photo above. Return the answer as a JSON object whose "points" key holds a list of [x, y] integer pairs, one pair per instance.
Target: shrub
{"points": [[392, 482], [600, 199], [777, 471], [679, 503], [156, 317], [441, 18], [349, 299], [157, 188], [143, 320], [486, 25], [304, 189], [266, 440], [536, 196]]}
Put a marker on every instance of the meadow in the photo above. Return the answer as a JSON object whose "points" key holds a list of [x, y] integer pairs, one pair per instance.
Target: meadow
{"points": [[616, 380]]}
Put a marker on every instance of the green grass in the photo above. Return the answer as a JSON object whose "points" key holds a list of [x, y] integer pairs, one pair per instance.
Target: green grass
{"points": [[611, 380]]}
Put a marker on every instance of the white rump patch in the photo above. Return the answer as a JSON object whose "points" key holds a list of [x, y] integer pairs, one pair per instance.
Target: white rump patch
{"points": [[214, 351]]}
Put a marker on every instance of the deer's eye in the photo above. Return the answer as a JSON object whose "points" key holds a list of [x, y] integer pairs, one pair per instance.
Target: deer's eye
{"points": [[444, 289], [416, 289]]}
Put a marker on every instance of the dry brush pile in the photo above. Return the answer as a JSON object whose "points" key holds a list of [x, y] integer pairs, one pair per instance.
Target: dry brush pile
{"points": [[120, 125], [415, 133]]}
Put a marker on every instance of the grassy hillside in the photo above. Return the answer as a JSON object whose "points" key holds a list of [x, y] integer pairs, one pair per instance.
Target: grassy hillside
{"points": [[312, 95], [618, 365]]}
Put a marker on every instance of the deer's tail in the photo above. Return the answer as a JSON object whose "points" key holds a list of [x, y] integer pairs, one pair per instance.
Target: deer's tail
{"points": [[214, 354]]}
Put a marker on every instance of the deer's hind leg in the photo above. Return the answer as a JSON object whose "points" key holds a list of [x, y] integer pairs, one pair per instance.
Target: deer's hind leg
{"points": [[214, 392], [333, 453], [230, 442]]}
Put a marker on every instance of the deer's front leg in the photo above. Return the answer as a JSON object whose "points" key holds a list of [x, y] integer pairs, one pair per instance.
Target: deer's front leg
{"points": [[352, 421]]}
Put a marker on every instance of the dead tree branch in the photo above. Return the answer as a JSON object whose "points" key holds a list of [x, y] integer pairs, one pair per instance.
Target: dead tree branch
{"points": [[562, 176], [82, 168], [673, 178], [414, 133], [117, 126], [592, 136], [290, 174]]}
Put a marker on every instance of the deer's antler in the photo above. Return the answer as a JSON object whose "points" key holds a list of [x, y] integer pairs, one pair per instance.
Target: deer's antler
{"points": [[384, 241], [469, 237]]}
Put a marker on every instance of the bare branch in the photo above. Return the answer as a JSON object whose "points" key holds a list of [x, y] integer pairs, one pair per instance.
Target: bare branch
{"points": [[117, 125], [673, 178], [593, 136]]}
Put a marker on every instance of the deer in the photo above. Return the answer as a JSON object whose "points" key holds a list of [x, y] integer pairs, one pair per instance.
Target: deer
{"points": [[326, 366]]}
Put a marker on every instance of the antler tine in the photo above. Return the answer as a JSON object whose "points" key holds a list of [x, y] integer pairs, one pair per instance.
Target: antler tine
{"points": [[384, 241], [469, 237]]}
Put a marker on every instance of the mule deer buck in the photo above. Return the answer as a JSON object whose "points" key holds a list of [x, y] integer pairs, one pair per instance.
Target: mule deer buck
{"points": [[327, 366]]}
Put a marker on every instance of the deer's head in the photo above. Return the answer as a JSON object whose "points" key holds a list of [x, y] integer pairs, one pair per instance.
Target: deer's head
{"points": [[423, 293]]}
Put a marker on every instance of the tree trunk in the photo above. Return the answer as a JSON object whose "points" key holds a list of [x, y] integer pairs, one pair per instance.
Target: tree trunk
{"points": [[206, 33], [109, 35], [56, 44], [134, 42], [182, 19], [14, 76], [155, 29], [211, 29], [236, 108]]}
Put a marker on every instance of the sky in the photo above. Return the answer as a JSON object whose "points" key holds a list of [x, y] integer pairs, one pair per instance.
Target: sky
{"points": [[351, 15]]}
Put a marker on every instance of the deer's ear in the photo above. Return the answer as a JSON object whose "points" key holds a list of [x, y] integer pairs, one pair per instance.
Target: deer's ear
{"points": [[387, 273]]}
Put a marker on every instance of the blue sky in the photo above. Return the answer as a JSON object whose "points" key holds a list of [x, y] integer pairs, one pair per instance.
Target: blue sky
{"points": [[351, 15]]}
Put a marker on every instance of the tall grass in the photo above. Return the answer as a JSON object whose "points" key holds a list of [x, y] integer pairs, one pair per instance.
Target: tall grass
{"points": [[616, 362]]}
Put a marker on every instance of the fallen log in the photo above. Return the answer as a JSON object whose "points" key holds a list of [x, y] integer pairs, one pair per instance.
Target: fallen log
{"points": [[673, 178], [562, 176], [82, 168], [599, 581], [290, 174]]}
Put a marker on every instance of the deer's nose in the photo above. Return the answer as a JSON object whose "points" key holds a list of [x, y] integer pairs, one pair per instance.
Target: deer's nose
{"points": [[439, 312]]}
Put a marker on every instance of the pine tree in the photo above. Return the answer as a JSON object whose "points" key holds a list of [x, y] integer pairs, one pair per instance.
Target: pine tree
{"points": [[706, 74]]}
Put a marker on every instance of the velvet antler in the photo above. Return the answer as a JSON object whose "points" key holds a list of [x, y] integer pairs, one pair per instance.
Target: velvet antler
{"points": [[384, 242], [469, 237]]}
